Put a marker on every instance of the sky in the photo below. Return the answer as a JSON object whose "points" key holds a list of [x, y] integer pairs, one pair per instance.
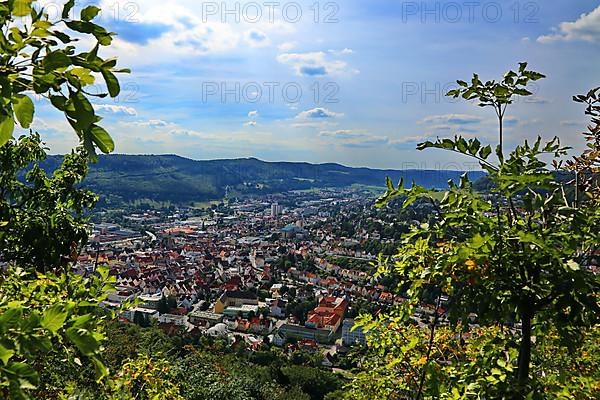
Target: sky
{"points": [[359, 83]]}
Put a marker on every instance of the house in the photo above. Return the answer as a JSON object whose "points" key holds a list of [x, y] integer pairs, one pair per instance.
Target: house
{"points": [[145, 314], [276, 307], [174, 319], [261, 326], [218, 330], [245, 310], [328, 314], [292, 231], [277, 339], [352, 336], [150, 300], [235, 298], [204, 318], [301, 332]]}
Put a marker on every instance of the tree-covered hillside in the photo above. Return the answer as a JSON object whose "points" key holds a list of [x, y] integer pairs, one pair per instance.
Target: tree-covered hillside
{"points": [[177, 179]]}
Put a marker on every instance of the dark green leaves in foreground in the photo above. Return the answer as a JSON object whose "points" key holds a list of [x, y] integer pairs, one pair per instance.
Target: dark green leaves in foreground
{"points": [[58, 72], [43, 313]]}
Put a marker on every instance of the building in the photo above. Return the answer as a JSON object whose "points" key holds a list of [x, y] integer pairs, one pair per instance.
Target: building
{"points": [[275, 210], [204, 318], [350, 336], [235, 298], [276, 307], [150, 300], [173, 319], [292, 231], [244, 310], [144, 314], [328, 314], [291, 331]]}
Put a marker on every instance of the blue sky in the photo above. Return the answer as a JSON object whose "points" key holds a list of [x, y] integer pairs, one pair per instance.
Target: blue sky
{"points": [[371, 75]]}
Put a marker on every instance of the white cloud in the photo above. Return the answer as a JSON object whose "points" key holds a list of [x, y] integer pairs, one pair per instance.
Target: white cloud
{"points": [[450, 120], [342, 134], [318, 113], [355, 139], [253, 114], [315, 64], [116, 109], [286, 46], [177, 28], [586, 28], [250, 123], [152, 123], [342, 52]]}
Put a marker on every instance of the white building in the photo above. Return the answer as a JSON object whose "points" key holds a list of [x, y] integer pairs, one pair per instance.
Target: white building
{"points": [[275, 210], [349, 336]]}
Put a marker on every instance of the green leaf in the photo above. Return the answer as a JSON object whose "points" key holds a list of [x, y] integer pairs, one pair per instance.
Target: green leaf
{"points": [[7, 127], [21, 8], [89, 13], [10, 317], [83, 111], [23, 108], [461, 145], [522, 92], [5, 354], [84, 340], [54, 318], [534, 76], [112, 83], [63, 37], [83, 74], [55, 60], [522, 67], [67, 8], [102, 139], [60, 102], [573, 265], [485, 152], [27, 377], [99, 368]]}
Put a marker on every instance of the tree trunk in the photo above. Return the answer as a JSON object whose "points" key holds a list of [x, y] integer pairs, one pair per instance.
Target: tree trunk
{"points": [[501, 123], [524, 352]]}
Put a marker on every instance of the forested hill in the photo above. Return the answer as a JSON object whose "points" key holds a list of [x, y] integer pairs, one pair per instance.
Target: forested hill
{"points": [[177, 179]]}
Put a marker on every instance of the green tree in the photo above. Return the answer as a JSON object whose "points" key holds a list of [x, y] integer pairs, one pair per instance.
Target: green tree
{"points": [[313, 381], [520, 255], [45, 216], [47, 312], [163, 305]]}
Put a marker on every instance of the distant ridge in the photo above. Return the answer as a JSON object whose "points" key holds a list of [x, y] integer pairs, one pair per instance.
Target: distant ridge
{"points": [[176, 179]]}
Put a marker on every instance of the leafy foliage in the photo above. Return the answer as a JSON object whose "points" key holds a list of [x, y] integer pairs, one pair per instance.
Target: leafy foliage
{"points": [[50, 319], [587, 165], [517, 258], [38, 55], [44, 217], [43, 315], [498, 95]]}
